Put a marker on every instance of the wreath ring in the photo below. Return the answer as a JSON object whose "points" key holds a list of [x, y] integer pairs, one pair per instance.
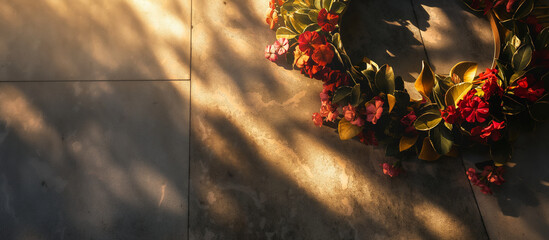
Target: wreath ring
{"points": [[368, 102]]}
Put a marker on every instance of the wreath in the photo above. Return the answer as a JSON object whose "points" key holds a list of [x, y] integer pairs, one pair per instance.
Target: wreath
{"points": [[368, 102]]}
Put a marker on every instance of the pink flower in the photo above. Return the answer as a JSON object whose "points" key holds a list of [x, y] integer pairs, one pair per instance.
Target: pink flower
{"points": [[349, 112], [282, 45], [374, 109], [328, 111], [391, 170], [324, 95], [317, 119], [270, 53]]}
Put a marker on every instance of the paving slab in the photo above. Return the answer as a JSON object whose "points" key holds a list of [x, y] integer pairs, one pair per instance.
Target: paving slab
{"points": [[94, 39], [452, 33], [260, 169], [519, 209], [387, 33], [94, 160]]}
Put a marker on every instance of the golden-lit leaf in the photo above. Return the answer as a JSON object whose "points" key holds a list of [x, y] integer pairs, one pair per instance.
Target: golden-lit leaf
{"points": [[428, 153], [425, 81], [347, 130], [392, 100], [466, 71], [457, 92], [407, 142]]}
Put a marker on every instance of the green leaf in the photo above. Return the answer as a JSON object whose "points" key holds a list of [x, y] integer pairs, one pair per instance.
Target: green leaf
{"points": [[314, 27], [300, 21], [313, 15], [428, 153], [427, 121], [426, 80], [515, 41], [507, 53], [318, 4], [466, 71], [501, 151], [522, 58], [336, 40], [406, 142], [337, 8], [457, 92], [385, 79], [283, 32], [442, 139], [347, 130], [341, 93], [355, 95], [540, 111], [542, 40], [503, 73], [326, 4], [524, 9], [512, 106]]}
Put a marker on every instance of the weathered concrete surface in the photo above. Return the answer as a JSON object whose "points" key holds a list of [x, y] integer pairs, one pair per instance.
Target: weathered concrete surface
{"points": [[94, 160], [452, 33], [94, 39], [261, 170], [519, 209], [387, 33]]}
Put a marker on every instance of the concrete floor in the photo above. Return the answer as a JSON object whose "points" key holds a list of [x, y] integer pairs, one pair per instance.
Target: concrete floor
{"points": [[142, 119]]}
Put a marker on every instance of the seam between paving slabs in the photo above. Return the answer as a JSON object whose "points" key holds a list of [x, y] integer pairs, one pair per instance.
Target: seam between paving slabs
{"points": [[462, 162], [476, 201], [190, 120]]}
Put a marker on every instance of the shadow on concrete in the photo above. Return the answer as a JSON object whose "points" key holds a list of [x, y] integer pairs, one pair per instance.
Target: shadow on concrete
{"points": [[261, 170], [94, 40]]}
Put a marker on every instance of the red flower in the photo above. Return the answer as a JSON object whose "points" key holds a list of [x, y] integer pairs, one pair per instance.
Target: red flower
{"points": [[490, 87], [407, 121], [315, 71], [527, 88], [271, 17], [368, 137], [473, 108], [391, 170], [473, 177], [309, 40], [323, 54], [327, 21], [335, 79], [450, 115], [492, 131]]}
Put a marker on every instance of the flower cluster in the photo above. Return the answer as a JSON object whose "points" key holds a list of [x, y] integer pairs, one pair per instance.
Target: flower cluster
{"points": [[369, 103], [490, 175]]}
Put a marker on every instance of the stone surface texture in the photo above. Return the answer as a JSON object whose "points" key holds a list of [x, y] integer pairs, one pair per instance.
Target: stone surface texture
{"points": [[452, 33], [108, 132], [94, 160], [261, 170], [94, 39], [520, 208]]}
